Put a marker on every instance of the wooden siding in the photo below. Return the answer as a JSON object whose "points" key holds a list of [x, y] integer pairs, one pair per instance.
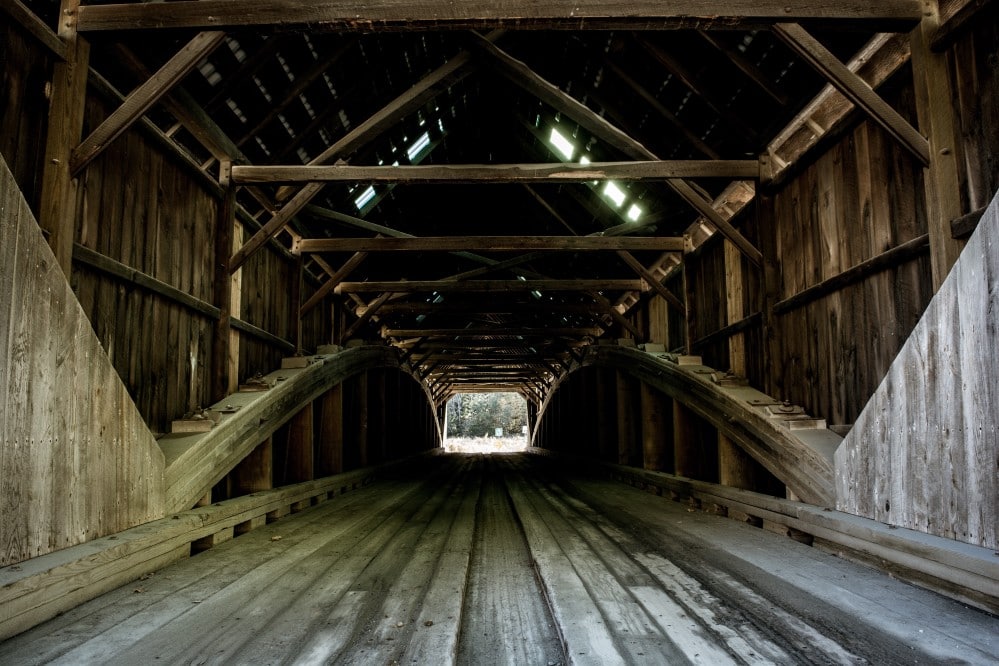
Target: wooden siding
{"points": [[140, 207], [77, 461], [25, 74], [860, 198], [923, 452], [974, 64]]}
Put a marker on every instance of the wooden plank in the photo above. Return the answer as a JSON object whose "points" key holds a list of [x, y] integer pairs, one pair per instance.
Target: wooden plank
{"points": [[329, 452], [877, 61], [57, 211], [492, 244], [935, 109], [956, 16], [413, 15], [35, 27], [723, 226], [263, 335], [225, 224], [369, 311], [502, 286], [336, 277], [499, 173], [144, 97], [891, 468], [108, 266], [965, 225], [651, 279], [884, 261], [854, 88]]}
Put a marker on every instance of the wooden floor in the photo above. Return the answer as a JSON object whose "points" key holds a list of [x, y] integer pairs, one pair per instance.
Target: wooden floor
{"points": [[484, 560]]}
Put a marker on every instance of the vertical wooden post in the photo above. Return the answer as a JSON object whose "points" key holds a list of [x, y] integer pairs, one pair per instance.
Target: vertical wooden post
{"points": [[935, 111], [657, 440], [736, 468], [627, 421], [301, 465], [256, 471], [67, 105], [224, 381], [690, 315], [766, 222], [606, 408], [361, 386], [330, 450], [296, 302]]}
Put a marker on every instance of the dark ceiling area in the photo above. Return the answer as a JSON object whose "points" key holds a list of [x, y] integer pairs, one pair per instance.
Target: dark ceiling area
{"points": [[291, 96]]}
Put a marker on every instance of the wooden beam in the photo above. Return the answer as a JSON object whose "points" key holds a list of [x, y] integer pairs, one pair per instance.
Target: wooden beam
{"points": [[884, 261], [653, 281], [854, 88], [222, 383], [492, 244], [486, 332], [723, 226], [445, 286], [424, 90], [943, 181], [878, 60], [524, 77], [499, 173], [144, 97], [67, 100], [352, 15], [657, 106], [492, 307], [336, 278], [365, 316], [414, 97], [34, 26]]}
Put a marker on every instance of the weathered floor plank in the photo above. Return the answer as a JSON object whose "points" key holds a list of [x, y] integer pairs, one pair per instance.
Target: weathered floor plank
{"points": [[507, 559]]}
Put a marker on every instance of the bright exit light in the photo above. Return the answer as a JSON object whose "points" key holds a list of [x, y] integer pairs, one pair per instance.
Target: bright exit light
{"points": [[366, 196], [418, 146], [634, 213], [562, 144], [584, 160], [614, 193]]}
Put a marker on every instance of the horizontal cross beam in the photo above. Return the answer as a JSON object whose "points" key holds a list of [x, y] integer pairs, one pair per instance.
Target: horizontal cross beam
{"points": [[556, 172], [479, 332], [409, 287], [491, 244], [367, 16]]}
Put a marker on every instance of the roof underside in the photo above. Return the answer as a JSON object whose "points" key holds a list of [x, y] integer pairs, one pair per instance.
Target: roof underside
{"points": [[283, 95]]}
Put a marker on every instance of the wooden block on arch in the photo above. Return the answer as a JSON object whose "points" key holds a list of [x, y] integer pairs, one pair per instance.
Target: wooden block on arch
{"points": [[250, 525], [191, 425], [212, 540], [293, 362]]}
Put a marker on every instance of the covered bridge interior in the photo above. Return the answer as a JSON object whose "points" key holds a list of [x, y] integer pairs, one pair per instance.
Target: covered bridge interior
{"points": [[741, 260]]}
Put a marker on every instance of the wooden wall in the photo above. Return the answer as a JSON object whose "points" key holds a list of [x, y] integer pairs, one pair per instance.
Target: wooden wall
{"points": [[863, 197], [76, 459], [924, 453], [140, 208], [24, 74], [974, 68]]}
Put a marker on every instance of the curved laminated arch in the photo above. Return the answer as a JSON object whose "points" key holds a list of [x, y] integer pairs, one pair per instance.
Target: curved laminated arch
{"points": [[196, 463], [801, 459]]}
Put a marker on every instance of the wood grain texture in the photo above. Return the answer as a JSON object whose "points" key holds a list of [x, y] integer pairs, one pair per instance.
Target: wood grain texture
{"points": [[408, 14], [78, 461], [923, 452], [860, 199]]}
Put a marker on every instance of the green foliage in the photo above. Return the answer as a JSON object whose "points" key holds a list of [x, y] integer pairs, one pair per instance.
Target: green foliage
{"points": [[479, 414]]}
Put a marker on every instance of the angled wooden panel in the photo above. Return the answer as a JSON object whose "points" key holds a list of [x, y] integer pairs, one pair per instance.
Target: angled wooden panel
{"points": [[923, 452], [76, 461]]}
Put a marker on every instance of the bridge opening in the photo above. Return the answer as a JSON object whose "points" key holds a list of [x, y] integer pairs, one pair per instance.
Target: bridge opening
{"points": [[486, 423]]}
